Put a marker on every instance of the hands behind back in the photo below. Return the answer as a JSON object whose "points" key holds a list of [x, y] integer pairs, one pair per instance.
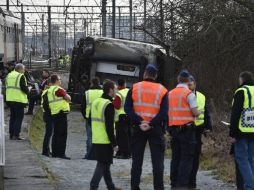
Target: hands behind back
{"points": [[145, 126]]}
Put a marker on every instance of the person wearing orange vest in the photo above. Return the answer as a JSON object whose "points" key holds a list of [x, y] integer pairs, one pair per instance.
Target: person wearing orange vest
{"points": [[147, 106], [182, 111]]}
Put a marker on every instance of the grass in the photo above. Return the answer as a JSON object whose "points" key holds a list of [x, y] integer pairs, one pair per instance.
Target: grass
{"points": [[215, 157], [37, 130], [36, 135]]}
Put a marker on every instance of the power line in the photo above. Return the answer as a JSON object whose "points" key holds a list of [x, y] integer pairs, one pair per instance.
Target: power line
{"points": [[24, 18]]}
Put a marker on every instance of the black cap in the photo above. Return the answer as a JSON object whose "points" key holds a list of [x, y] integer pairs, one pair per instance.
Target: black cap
{"points": [[184, 74], [151, 68]]}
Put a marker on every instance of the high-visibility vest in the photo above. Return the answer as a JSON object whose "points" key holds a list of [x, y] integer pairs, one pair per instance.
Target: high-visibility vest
{"points": [[248, 103], [43, 93], [13, 90], [179, 110], [57, 104], [99, 133], [122, 95], [91, 95], [147, 98], [200, 120]]}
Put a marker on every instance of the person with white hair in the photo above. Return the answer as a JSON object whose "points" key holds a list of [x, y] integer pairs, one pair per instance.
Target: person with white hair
{"points": [[16, 98]]}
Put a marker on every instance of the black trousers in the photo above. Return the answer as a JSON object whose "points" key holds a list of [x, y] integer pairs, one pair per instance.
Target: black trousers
{"points": [[156, 140], [123, 133], [48, 132], [59, 138], [102, 170], [32, 100], [193, 176], [183, 146], [16, 119]]}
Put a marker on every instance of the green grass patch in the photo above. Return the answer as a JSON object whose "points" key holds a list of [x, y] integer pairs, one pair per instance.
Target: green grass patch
{"points": [[37, 130], [36, 135], [213, 158]]}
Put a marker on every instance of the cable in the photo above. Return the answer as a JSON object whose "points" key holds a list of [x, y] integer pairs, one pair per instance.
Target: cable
{"points": [[25, 18]]}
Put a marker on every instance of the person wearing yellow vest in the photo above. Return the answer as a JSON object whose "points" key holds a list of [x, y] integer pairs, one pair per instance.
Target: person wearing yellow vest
{"points": [[182, 111], [242, 128], [103, 137], [59, 104], [90, 95], [16, 98], [48, 120], [203, 126], [147, 106], [122, 122]]}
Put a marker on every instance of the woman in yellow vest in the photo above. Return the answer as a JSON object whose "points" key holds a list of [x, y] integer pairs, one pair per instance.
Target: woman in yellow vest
{"points": [[203, 125], [242, 128], [16, 97], [103, 137]]}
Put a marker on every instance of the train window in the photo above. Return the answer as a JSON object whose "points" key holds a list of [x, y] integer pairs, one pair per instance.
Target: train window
{"points": [[126, 68]]}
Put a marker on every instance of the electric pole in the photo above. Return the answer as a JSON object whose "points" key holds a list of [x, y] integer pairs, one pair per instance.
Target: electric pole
{"points": [[161, 21], [74, 37], [144, 19], [113, 18], [23, 29], [36, 35], [104, 18], [7, 4], [131, 20], [119, 22], [49, 34], [42, 33]]}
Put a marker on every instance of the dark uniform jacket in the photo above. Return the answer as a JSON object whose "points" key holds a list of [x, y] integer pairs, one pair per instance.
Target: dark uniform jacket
{"points": [[104, 152]]}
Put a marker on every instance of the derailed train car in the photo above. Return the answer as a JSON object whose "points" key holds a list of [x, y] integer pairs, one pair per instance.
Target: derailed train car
{"points": [[10, 40], [109, 58]]}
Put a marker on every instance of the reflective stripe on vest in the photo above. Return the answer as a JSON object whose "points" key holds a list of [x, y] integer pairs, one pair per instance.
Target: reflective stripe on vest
{"points": [[43, 93], [57, 104], [122, 95], [13, 90], [91, 95], [248, 103], [179, 111], [147, 98], [201, 108], [99, 133]]}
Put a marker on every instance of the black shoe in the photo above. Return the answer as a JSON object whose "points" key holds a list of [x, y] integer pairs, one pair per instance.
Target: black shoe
{"points": [[20, 138], [192, 186], [29, 113], [123, 157], [17, 138], [65, 157], [48, 154]]}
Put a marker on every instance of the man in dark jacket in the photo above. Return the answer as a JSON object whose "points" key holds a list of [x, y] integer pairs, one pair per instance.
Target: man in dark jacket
{"points": [[242, 128], [34, 95], [103, 137], [147, 106]]}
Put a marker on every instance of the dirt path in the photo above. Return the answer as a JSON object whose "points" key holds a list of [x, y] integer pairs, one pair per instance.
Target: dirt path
{"points": [[76, 173]]}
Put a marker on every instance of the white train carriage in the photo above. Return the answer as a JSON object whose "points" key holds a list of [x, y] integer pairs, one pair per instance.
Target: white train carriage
{"points": [[10, 38]]}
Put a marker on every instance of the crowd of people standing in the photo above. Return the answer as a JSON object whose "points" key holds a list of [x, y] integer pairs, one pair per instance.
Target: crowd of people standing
{"points": [[120, 122]]}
